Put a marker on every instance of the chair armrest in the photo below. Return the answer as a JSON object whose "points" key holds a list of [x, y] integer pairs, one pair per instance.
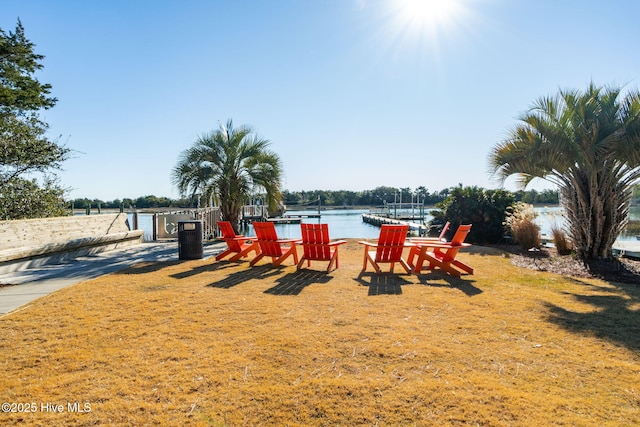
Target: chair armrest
{"points": [[294, 241], [337, 242], [244, 239], [442, 245], [375, 245], [424, 240]]}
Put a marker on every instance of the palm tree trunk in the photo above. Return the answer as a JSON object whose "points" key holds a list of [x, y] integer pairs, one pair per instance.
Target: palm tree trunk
{"points": [[597, 210], [231, 212]]}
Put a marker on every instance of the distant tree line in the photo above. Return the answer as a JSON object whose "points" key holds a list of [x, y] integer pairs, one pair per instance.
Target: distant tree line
{"points": [[381, 195], [342, 198], [376, 197], [143, 202]]}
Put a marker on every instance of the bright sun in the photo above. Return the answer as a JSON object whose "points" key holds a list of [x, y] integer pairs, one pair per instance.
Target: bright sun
{"points": [[427, 17], [423, 30]]}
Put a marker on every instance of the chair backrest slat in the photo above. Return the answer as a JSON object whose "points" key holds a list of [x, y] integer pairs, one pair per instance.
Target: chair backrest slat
{"points": [[229, 236], [267, 239], [444, 231], [461, 234], [315, 241], [456, 243], [391, 242]]}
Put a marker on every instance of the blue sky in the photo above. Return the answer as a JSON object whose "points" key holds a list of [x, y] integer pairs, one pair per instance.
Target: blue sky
{"points": [[353, 94]]}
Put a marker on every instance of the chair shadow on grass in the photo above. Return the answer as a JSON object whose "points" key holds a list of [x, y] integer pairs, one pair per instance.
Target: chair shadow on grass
{"points": [[206, 268], [461, 283], [252, 273], [145, 267], [294, 283], [383, 283], [612, 318]]}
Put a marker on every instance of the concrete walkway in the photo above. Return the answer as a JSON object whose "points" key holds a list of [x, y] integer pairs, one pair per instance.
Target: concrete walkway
{"points": [[33, 283]]}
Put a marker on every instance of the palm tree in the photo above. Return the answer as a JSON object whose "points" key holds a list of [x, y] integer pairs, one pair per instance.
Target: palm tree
{"points": [[588, 144], [229, 165]]}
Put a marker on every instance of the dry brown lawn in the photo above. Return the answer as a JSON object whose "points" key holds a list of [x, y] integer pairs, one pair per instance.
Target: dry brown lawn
{"points": [[205, 343]]}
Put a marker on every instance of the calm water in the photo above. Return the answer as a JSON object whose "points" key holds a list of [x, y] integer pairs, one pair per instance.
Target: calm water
{"points": [[342, 224], [348, 223], [550, 216]]}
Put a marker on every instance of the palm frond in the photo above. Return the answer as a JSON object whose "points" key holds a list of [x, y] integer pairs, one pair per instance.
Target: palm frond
{"points": [[229, 164], [588, 144]]}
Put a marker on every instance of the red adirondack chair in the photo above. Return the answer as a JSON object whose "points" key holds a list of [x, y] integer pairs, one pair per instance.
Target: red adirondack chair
{"points": [[389, 248], [271, 246], [317, 246], [443, 255], [423, 240], [440, 238], [236, 243]]}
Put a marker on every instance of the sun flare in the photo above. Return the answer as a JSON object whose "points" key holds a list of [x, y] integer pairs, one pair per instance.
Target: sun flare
{"points": [[423, 29], [427, 16]]}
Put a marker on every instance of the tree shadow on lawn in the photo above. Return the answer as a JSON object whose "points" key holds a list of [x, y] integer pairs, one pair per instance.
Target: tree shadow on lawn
{"points": [[613, 318], [294, 283], [464, 285], [383, 283], [260, 272]]}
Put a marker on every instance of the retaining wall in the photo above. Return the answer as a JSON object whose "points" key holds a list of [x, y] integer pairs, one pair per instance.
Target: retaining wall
{"points": [[33, 242]]}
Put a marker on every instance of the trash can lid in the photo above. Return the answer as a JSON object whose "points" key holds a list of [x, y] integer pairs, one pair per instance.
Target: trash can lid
{"points": [[189, 225]]}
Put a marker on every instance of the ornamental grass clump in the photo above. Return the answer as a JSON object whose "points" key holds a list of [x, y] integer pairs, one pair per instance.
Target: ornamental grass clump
{"points": [[520, 223], [633, 227], [560, 241]]}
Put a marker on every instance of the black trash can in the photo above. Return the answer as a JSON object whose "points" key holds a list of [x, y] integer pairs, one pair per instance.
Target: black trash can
{"points": [[190, 240]]}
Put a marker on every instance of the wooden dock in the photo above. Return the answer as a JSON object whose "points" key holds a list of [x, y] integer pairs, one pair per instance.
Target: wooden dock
{"points": [[252, 213], [286, 220], [627, 248], [379, 220], [293, 219]]}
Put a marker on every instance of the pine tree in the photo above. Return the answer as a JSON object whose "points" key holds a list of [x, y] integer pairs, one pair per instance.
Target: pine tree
{"points": [[25, 149]]}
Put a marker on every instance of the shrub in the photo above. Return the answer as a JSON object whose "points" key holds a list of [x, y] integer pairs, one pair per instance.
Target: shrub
{"points": [[520, 223], [484, 209], [23, 199]]}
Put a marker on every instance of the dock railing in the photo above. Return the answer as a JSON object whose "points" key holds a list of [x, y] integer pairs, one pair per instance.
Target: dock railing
{"points": [[254, 212]]}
